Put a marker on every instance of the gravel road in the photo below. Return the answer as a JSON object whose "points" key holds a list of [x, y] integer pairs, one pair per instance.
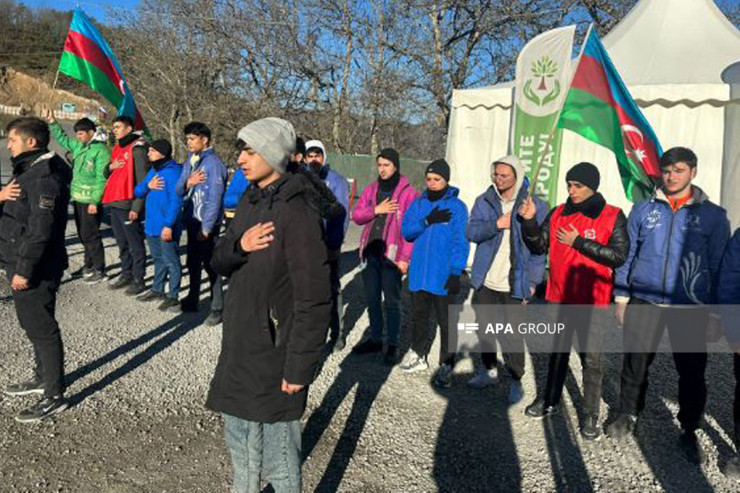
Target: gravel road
{"points": [[138, 379]]}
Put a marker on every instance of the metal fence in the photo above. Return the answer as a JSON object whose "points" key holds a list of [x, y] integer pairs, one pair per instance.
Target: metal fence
{"points": [[362, 169]]}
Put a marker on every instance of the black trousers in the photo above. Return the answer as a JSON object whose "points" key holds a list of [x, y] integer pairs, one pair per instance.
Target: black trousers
{"points": [[511, 344], [130, 240], [592, 361], [88, 229], [423, 302], [736, 407], [35, 308], [199, 254], [643, 329], [336, 296]]}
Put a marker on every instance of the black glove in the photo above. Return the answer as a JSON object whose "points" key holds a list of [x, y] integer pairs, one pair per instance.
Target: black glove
{"points": [[453, 284], [438, 216]]}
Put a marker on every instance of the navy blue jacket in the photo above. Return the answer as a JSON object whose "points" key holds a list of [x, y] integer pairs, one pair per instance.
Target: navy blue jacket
{"points": [[526, 269], [674, 258], [203, 202], [728, 293], [440, 250], [163, 207], [336, 228]]}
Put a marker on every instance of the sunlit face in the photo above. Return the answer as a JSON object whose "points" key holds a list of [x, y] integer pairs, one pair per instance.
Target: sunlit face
{"points": [[677, 177], [85, 136], [504, 177], [18, 144], [254, 167], [196, 143], [120, 130], [578, 192], [435, 182], [154, 155], [386, 168], [315, 159]]}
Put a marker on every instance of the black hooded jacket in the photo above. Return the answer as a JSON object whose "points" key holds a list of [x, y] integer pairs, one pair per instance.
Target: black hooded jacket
{"points": [[32, 227], [276, 312]]}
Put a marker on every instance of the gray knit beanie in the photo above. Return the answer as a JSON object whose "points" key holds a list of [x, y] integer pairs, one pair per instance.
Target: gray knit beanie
{"points": [[272, 138]]}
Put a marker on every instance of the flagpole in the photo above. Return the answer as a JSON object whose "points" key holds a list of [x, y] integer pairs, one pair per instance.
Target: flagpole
{"points": [[548, 143], [53, 88]]}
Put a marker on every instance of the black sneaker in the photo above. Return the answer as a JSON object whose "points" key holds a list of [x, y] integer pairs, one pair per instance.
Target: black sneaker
{"points": [[538, 410], [78, 273], [689, 445], [214, 318], [368, 346], [135, 288], [95, 277], [390, 358], [624, 425], [732, 469], [46, 407], [24, 388], [150, 296], [121, 282], [170, 305], [188, 305], [590, 430]]}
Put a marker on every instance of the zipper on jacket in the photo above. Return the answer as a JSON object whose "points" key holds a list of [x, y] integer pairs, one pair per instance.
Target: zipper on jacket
{"points": [[667, 251], [274, 325]]}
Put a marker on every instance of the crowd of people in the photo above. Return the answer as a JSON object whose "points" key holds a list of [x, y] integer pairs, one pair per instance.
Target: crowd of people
{"points": [[281, 217]]}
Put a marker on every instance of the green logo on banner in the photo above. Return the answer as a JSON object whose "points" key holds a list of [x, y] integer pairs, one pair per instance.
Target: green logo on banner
{"points": [[544, 68]]}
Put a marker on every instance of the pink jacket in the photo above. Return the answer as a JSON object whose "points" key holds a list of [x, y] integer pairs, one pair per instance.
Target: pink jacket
{"points": [[396, 248]]}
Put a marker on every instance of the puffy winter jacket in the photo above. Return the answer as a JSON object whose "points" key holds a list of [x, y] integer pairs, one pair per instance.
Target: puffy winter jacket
{"points": [[674, 258], [336, 228], [163, 207], [397, 249], [204, 201], [728, 293], [236, 189], [440, 249], [527, 269], [90, 166]]}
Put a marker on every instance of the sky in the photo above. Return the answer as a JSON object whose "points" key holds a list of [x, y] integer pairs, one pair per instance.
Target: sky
{"points": [[98, 9]]}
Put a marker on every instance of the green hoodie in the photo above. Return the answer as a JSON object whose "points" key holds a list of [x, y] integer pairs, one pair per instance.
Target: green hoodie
{"points": [[89, 168]]}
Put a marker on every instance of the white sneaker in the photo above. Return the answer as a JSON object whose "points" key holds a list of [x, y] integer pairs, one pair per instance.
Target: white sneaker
{"points": [[443, 378], [483, 378], [413, 363]]}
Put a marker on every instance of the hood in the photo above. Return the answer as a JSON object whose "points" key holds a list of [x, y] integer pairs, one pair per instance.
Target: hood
{"points": [[316, 143], [519, 169], [451, 192], [284, 188]]}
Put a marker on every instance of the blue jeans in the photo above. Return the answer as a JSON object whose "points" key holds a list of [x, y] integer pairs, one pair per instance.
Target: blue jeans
{"points": [[381, 276], [166, 256], [269, 450]]}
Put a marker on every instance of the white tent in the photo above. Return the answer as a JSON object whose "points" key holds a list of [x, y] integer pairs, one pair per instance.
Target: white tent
{"points": [[680, 60]]}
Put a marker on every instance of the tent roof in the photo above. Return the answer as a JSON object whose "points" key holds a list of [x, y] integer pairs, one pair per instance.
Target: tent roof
{"points": [[673, 41]]}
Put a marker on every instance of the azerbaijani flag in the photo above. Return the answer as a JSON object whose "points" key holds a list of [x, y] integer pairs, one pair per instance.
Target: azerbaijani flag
{"points": [[88, 58], [600, 108]]}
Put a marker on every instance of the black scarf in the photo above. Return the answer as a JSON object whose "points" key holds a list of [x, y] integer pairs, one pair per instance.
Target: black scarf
{"points": [[128, 139], [23, 161], [389, 184], [591, 207], [433, 196], [159, 164]]}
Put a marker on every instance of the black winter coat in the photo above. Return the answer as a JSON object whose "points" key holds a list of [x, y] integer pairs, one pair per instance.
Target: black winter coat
{"points": [[276, 312], [32, 227]]}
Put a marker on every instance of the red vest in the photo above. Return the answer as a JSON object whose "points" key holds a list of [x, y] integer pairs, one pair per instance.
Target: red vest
{"points": [[120, 184], [574, 278]]}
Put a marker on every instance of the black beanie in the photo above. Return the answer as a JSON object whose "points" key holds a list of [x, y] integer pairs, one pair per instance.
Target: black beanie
{"points": [[585, 173], [439, 167], [391, 155], [163, 146]]}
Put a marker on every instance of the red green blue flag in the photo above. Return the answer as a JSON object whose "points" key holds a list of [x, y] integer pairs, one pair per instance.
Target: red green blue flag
{"points": [[600, 108], [88, 58]]}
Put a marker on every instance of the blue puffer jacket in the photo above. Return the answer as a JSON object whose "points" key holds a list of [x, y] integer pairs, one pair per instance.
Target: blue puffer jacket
{"points": [[203, 202], [336, 228], [163, 207], [440, 249], [729, 289], [236, 189], [527, 269], [674, 258]]}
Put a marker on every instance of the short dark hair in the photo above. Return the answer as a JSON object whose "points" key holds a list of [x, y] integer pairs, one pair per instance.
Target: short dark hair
{"points": [[85, 125], [199, 129], [31, 127], [124, 119], [678, 155], [300, 146]]}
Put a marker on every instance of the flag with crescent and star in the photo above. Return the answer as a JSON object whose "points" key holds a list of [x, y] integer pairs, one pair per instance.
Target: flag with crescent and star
{"points": [[600, 108]]}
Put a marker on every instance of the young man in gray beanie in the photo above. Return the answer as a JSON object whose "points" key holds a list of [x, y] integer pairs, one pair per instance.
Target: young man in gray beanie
{"points": [[276, 313]]}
